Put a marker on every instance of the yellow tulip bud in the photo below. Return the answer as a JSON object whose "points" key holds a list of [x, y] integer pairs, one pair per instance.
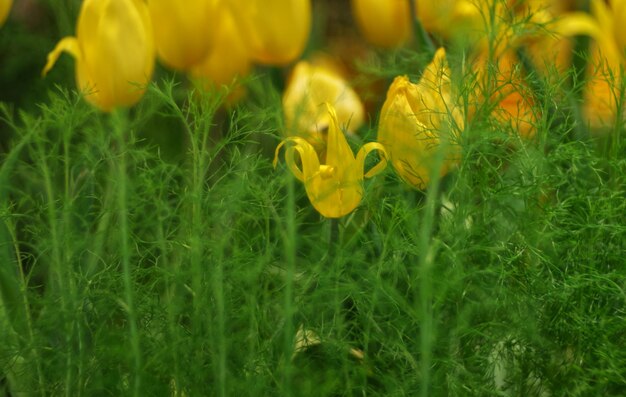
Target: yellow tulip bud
{"points": [[276, 30], [114, 52], [228, 58], [417, 118], [5, 7], [309, 88], [183, 30], [334, 188], [385, 23]]}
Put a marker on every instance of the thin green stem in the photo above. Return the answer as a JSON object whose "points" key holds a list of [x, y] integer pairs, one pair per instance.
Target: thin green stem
{"points": [[426, 255], [59, 263], [120, 125], [66, 233], [26, 305], [290, 261]]}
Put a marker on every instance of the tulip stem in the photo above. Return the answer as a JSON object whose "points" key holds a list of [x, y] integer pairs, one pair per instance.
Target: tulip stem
{"points": [[427, 249], [333, 239], [290, 260], [120, 124]]}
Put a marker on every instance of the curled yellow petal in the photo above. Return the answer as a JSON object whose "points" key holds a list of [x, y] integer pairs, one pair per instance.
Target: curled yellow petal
{"points": [[577, 23], [67, 44], [307, 153], [365, 150]]}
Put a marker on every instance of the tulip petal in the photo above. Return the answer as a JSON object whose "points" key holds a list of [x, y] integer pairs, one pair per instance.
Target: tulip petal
{"points": [[364, 151], [67, 44], [338, 151], [308, 157], [578, 23]]}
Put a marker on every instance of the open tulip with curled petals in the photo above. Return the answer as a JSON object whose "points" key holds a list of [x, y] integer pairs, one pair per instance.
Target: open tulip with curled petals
{"points": [[417, 118], [309, 88], [276, 30], [5, 7], [334, 188], [114, 52], [183, 30]]}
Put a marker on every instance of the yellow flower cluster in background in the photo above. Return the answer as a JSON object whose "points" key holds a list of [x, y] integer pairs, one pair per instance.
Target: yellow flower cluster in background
{"points": [[215, 41], [276, 30], [420, 125], [183, 33]]}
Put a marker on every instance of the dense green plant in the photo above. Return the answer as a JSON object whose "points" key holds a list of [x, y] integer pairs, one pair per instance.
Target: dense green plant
{"points": [[156, 251]]}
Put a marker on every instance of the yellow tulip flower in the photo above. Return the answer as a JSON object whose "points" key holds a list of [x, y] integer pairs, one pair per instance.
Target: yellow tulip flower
{"points": [[384, 23], [229, 57], [114, 52], [605, 26], [309, 88], [5, 7], [334, 188], [417, 118], [183, 30], [276, 30], [447, 17]]}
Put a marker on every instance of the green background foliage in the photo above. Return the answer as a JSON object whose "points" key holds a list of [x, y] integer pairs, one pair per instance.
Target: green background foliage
{"points": [[155, 251]]}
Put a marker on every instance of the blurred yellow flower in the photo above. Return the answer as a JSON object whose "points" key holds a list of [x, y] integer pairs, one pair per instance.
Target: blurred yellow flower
{"points": [[276, 31], [334, 188], [447, 17], [605, 26], [384, 23], [602, 94], [229, 57], [602, 91], [5, 7], [114, 52], [503, 85], [309, 88], [183, 30], [418, 120]]}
